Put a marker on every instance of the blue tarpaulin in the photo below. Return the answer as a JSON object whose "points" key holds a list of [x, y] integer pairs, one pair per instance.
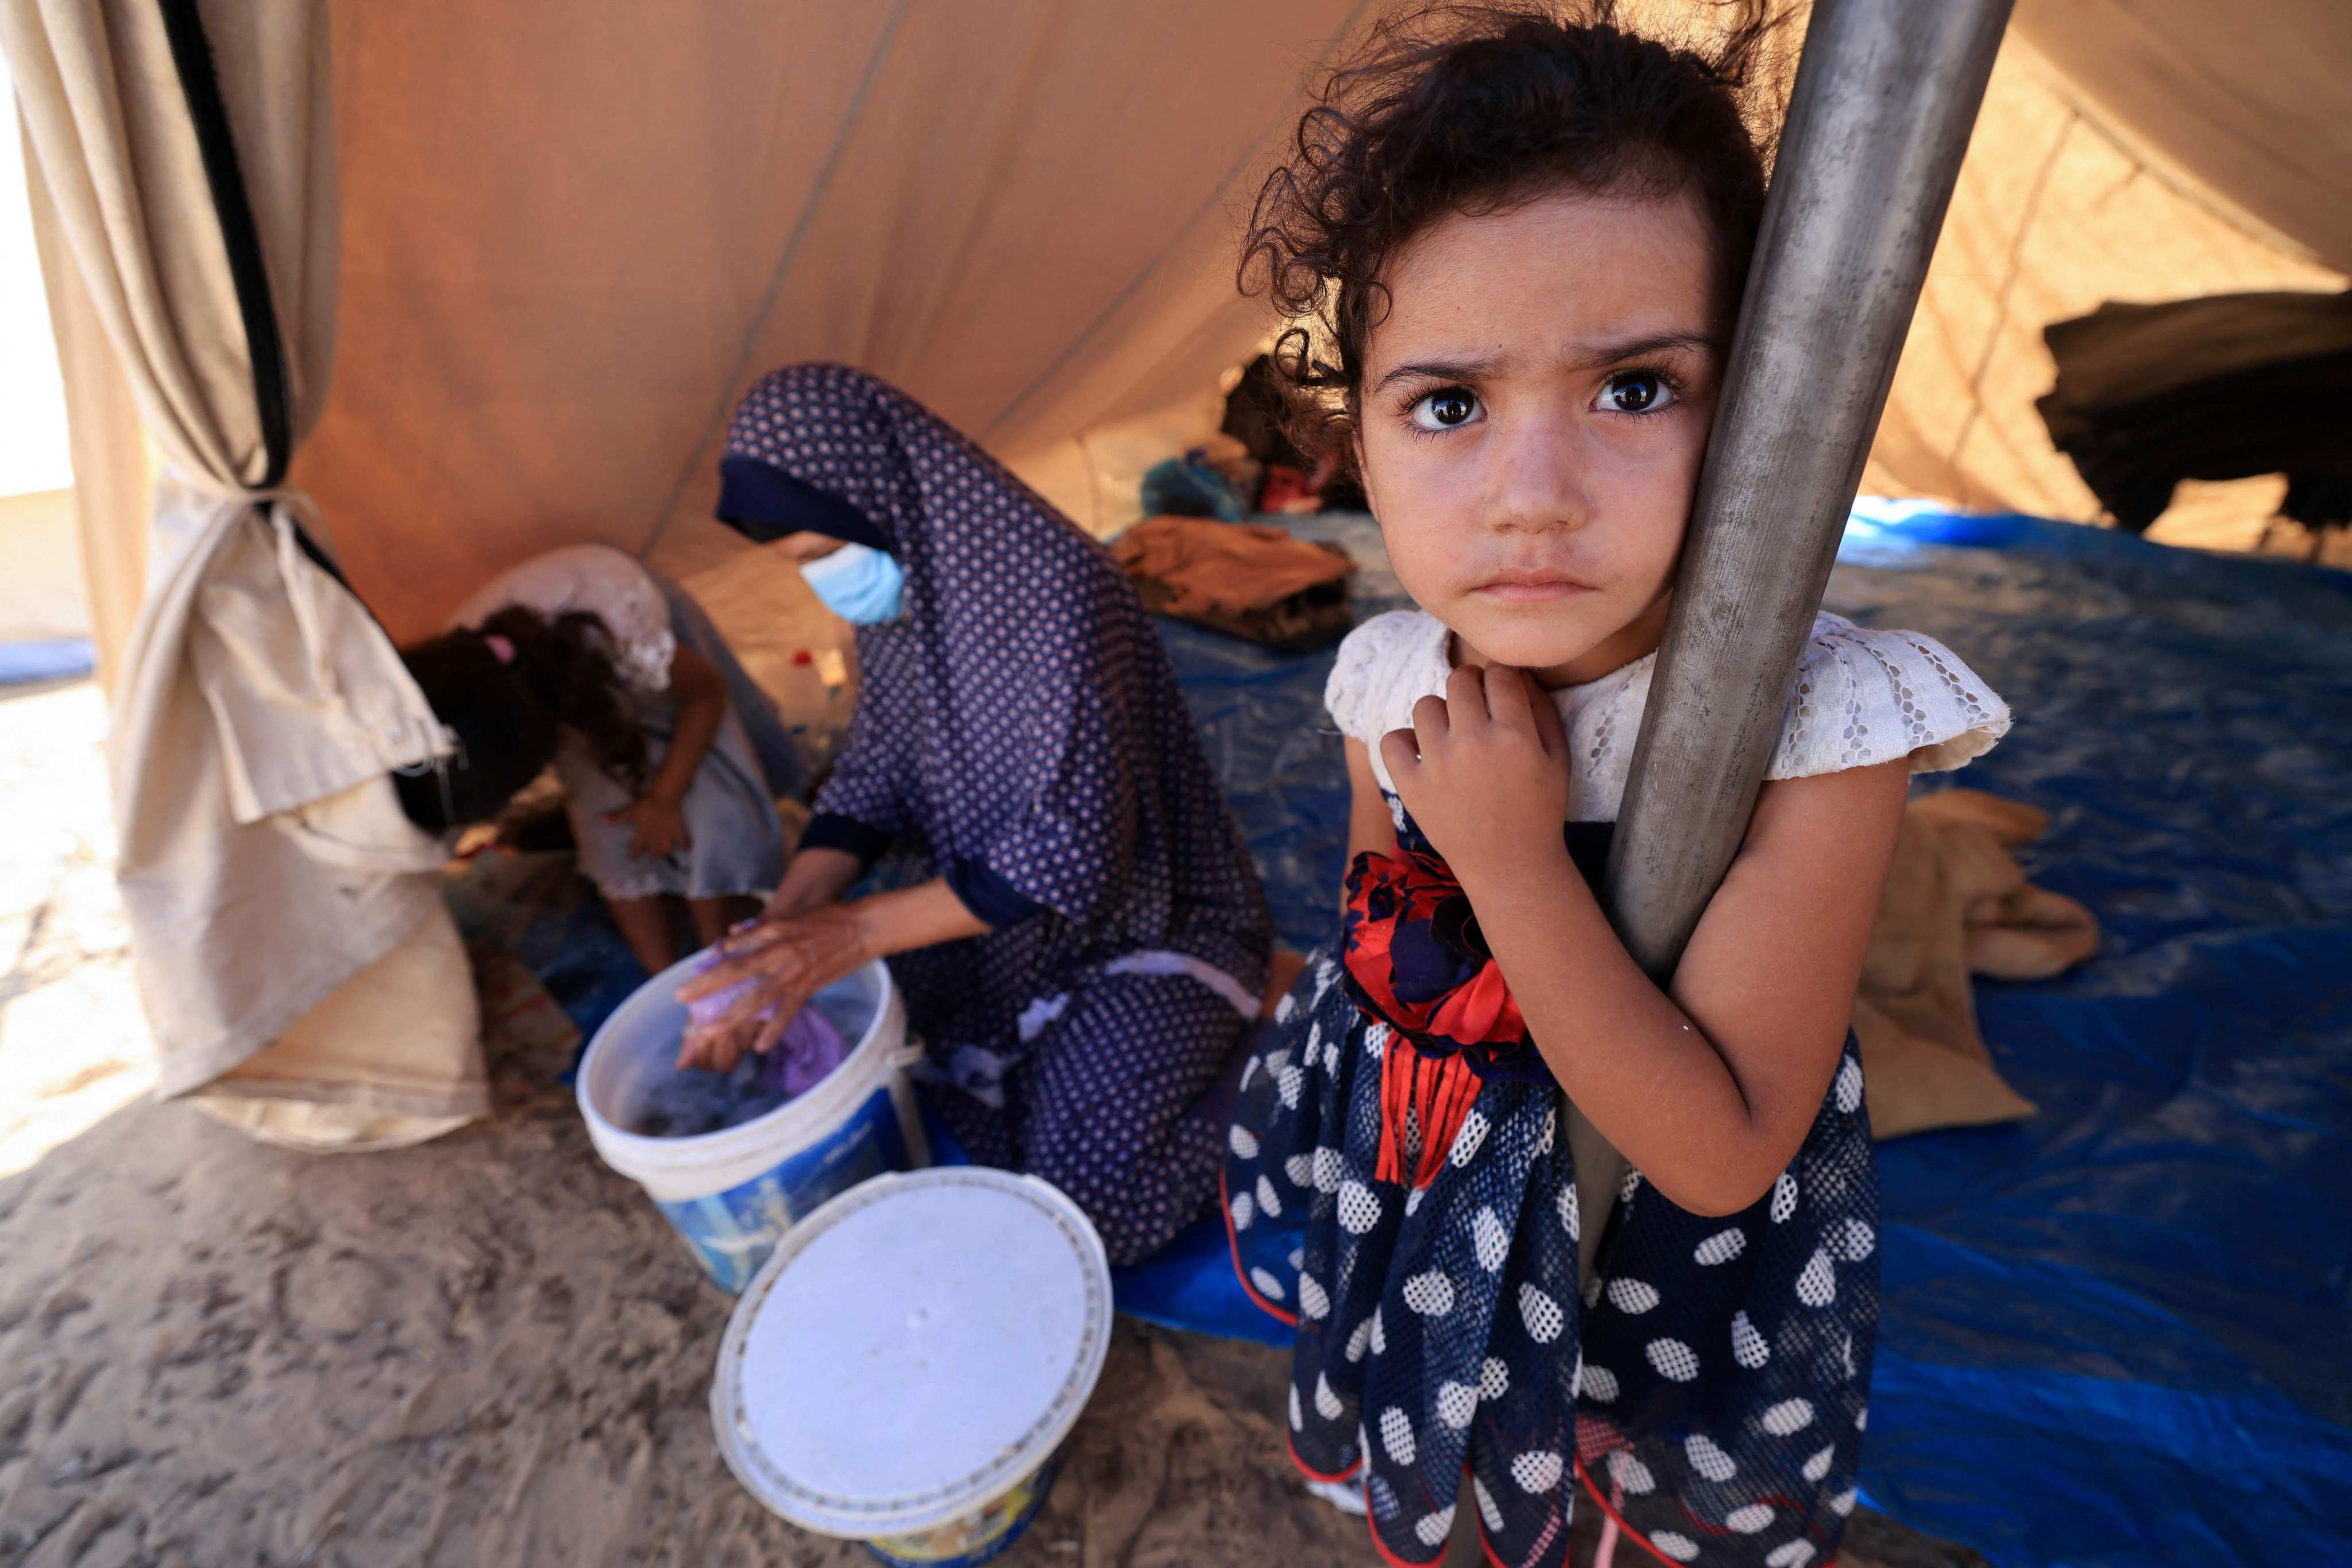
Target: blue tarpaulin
{"points": [[57, 658], [2120, 1332]]}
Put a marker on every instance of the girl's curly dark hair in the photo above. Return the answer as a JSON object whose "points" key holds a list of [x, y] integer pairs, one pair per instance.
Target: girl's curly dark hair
{"points": [[567, 663], [506, 713], [1475, 107]]}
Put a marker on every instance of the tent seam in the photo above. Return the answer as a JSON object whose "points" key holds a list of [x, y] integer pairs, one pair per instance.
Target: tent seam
{"points": [[853, 113], [1119, 300]]}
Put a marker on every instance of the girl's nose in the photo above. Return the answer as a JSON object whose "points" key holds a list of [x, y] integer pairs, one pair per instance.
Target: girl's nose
{"points": [[1538, 484]]}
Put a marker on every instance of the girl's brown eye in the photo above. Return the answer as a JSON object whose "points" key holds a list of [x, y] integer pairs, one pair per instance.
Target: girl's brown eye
{"points": [[1635, 392], [1445, 408]]}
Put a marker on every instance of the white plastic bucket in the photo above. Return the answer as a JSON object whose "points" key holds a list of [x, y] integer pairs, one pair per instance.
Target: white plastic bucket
{"points": [[732, 1194], [905, 1369]]}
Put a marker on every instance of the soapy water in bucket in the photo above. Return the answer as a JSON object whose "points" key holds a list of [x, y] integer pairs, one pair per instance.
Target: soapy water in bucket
{"points": [[693, 1103]]}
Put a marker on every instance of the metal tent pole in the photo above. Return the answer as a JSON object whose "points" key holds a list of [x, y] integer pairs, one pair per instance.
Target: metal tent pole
{"points": [[1886, 94]]}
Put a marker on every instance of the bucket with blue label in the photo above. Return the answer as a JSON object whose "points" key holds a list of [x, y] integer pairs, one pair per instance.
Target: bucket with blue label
{"points": [[906, 1368], [732, 1194]]}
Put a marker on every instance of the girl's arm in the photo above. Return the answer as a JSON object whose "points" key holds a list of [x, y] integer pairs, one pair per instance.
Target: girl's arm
{"points": [[701, 695], [1370, 827], [1710, 1087], [657, 816]]}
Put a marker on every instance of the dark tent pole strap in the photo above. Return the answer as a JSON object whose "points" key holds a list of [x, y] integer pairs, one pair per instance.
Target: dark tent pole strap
{"points": [[192, 60], [1886, 94]]}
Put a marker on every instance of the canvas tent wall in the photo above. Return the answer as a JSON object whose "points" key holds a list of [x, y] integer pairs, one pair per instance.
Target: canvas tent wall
{"points": [[572, 233], [569, 236]]}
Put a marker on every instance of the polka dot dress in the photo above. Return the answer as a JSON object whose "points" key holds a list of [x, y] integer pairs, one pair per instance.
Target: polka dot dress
{"points": [[1708, 1384], [1022, 714]]}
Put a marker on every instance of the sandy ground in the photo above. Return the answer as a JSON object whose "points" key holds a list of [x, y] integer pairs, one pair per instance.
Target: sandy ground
{"points": [[73, 1046], [489, 1350]]}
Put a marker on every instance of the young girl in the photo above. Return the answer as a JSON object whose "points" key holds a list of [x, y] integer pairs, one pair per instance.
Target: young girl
{"points": [[1534, 1216], [671, 757]]}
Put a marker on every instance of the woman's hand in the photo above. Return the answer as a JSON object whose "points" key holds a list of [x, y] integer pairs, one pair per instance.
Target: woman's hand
{"points": [[1484, 772], [657, 827], [787, 961]]}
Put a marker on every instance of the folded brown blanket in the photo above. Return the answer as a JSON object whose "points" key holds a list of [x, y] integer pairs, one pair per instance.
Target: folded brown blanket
{"points": [[1956, 904], [1249, 580]]}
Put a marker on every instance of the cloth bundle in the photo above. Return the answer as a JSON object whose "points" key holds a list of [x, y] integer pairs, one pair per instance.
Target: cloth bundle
{"points": [[2224, 387], [1248, 580], [811, 1047], [1957, 904]]}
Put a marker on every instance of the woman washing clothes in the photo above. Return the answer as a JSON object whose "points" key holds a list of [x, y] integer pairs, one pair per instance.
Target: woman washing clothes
{"points": [[1092, 938], [670, 756]]}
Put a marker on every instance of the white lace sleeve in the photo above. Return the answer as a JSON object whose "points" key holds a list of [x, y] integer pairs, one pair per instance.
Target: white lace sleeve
{"points": [[1384, 669], [1865, 696], [600, 579]]}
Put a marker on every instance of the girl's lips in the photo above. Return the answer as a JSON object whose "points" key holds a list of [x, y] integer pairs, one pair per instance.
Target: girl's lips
{"points": [[1532, 590]]}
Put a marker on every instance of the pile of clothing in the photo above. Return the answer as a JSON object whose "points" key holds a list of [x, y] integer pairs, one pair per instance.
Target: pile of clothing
{"points": [[1249, 580], [1194, 558], [1957, 904], [2225, 387]]}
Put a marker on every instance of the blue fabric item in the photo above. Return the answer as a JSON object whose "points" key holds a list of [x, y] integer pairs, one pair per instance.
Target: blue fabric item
{"points": [[1189, 487], [763, 503], [584, 963], [2116, 1332], [59, 659], [861, 584]]}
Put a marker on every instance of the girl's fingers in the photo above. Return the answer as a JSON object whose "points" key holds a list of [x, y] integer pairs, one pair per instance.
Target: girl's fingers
{"points": [[1508, 694], [1430, 721], [1549, 728], [1466, 696], [1400, 750]]}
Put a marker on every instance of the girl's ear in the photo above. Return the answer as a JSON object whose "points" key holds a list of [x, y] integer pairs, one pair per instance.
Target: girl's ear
{"points": [[1363, 472]]}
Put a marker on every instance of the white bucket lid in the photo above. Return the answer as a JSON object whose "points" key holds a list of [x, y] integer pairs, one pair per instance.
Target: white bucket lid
{"points": [[913, 1348]]}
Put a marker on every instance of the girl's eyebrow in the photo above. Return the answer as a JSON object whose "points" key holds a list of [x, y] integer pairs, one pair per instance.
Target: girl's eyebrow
{"points": [[1443, 369], [1588, 356], [1637, 348]]}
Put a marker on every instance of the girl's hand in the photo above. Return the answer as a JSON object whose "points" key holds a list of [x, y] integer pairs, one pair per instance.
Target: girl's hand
{"points": [[1484, 772], [789, 961], [658, 828]]}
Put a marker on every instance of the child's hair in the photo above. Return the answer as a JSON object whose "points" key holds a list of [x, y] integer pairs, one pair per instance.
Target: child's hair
{"points": [[504, 688], [505, 735], [567, 662], [1478, 108]]}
